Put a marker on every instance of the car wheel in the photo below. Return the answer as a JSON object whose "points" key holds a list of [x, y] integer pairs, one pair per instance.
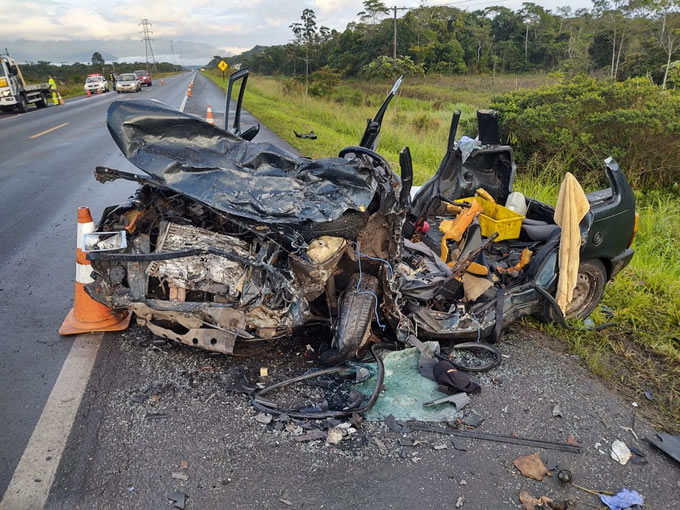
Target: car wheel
{"points": [[42, 103], [354, 322], [590, 284], [22, 106]]}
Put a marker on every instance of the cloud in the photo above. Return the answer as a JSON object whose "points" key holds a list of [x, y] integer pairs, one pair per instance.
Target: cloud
{"points": [[231, 25]]}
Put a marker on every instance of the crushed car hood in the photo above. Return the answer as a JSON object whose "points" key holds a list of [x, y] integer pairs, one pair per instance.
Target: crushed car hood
{"points": [[259, 181]]}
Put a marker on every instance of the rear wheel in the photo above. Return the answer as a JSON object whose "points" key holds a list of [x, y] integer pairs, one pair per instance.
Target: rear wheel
{"points": [[357, 309], [590, 284]]}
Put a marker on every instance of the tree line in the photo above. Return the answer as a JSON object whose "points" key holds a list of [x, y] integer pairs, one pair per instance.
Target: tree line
{"points": [[617, 39], [76, 73]]}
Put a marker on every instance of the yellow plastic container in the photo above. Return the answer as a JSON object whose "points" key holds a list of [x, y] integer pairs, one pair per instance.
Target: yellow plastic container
{"points": [[496, 218]]}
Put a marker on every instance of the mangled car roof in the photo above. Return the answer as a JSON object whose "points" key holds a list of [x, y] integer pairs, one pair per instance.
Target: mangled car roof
{"points": [[259, 181]]}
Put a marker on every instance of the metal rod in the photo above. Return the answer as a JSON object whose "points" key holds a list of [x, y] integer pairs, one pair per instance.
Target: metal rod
{"points": [[537, 443]]}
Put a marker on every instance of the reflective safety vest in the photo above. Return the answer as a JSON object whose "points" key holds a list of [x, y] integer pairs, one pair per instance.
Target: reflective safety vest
{"points": [[53, 84]]}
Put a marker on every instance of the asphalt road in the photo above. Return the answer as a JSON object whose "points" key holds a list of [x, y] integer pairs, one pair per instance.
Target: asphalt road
{"points": [[155, 420]]}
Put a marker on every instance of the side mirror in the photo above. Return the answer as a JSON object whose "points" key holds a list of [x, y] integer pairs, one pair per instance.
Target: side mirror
{"points": [[236, 126], [250, 133]]}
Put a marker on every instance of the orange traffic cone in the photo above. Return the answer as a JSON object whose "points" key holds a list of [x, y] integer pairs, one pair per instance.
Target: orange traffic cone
{"points": [[189, 92], [99, 91], [61, 101], [89, 93], [209, 116], [88, 315]]}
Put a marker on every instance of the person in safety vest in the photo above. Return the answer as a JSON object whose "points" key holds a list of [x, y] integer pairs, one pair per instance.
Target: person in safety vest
{"points": [[53, 88]]}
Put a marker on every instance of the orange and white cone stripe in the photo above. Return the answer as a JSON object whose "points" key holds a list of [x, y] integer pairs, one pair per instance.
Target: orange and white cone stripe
{"points": [[209, 116], [88, 315]]}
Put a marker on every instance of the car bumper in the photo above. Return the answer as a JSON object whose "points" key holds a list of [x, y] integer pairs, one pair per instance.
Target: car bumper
{"points": [[127, 88], [621, 261], [8, 100]]}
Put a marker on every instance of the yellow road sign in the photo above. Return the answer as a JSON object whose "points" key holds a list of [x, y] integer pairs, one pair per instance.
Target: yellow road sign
{"points": [[223, 65]]}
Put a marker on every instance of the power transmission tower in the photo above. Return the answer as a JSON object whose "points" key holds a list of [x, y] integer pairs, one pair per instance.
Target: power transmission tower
{"points": [[394, 46], [147, 43]]}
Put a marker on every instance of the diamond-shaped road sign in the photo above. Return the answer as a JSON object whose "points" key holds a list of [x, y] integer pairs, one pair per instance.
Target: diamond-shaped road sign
{"points": [[223, 65]]}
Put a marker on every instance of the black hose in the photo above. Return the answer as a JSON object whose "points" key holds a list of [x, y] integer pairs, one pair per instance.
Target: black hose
{"points": [[268, 407]]}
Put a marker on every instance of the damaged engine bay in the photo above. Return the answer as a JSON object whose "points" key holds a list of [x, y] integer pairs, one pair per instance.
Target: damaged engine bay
{"points": [[227, 240]]}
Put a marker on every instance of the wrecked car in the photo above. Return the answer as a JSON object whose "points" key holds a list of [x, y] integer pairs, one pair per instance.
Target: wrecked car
{"points": [[230, 240], [494, 279]]}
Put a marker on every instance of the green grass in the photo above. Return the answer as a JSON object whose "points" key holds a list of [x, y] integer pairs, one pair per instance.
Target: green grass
{"points": [[643, 350]]}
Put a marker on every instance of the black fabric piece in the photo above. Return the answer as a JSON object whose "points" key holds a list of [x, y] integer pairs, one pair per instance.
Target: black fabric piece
{"points": [[259, 181], [445, 373]]}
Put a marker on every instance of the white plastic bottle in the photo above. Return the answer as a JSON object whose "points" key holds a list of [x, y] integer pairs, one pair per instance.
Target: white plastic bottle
{"points": [[517, 203]]}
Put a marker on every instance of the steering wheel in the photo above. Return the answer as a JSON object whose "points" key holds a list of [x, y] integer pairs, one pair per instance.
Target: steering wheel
{"points": [[356, 149]]}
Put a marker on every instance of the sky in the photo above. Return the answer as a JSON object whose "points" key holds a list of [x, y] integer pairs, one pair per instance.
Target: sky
{"points": [[199, 29]]}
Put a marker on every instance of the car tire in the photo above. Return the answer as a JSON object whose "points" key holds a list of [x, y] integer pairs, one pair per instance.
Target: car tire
{"points": [[346, 226], [42, 102], [590, 284], [357, 308], [22, 105], [150, 84]]}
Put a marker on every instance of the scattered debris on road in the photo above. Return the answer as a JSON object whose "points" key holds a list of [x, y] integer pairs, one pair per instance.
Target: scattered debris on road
{"points": [[531, 466], [307, 136]]}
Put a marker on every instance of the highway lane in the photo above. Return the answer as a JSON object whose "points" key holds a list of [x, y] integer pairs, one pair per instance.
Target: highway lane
{"points": [[47, 158], [46, 172]]}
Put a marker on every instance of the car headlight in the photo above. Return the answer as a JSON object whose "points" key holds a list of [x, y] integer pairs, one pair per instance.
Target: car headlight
{"points": [[6, 92]]}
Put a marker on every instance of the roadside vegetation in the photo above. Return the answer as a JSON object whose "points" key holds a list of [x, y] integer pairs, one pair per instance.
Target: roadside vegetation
{"points": [[642, 351]]}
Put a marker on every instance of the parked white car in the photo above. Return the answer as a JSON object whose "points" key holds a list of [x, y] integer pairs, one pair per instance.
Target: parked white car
{"points": [[96, 84]]}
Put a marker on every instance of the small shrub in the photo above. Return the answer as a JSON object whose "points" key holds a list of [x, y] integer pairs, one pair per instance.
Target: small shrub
{"points": [[584, 120], [323, 81], [386, 67], [424, 122], [344, 95], [292, 87]]}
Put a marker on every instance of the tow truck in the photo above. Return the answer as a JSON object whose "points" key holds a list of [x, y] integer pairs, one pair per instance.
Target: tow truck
{"points": [[15, 93]]}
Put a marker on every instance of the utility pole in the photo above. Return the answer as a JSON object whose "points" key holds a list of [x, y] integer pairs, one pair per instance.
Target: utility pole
{"points": [[147, 43], [394, 45], [172, 52]]}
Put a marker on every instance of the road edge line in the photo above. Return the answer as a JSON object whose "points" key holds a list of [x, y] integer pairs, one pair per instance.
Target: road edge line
{"points": [[33, 477]]}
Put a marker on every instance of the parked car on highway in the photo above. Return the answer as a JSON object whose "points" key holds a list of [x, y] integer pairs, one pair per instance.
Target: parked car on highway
{"points": [[128, 82], [252, 242], [144, 77], [96, 84]]}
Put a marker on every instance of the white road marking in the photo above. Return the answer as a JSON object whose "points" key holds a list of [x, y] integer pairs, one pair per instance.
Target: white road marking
{"points": [[184, 103], [34, 475]]}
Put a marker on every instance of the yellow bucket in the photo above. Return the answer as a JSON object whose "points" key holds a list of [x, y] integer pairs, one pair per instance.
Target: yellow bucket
{"points": [[496, 218]]}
